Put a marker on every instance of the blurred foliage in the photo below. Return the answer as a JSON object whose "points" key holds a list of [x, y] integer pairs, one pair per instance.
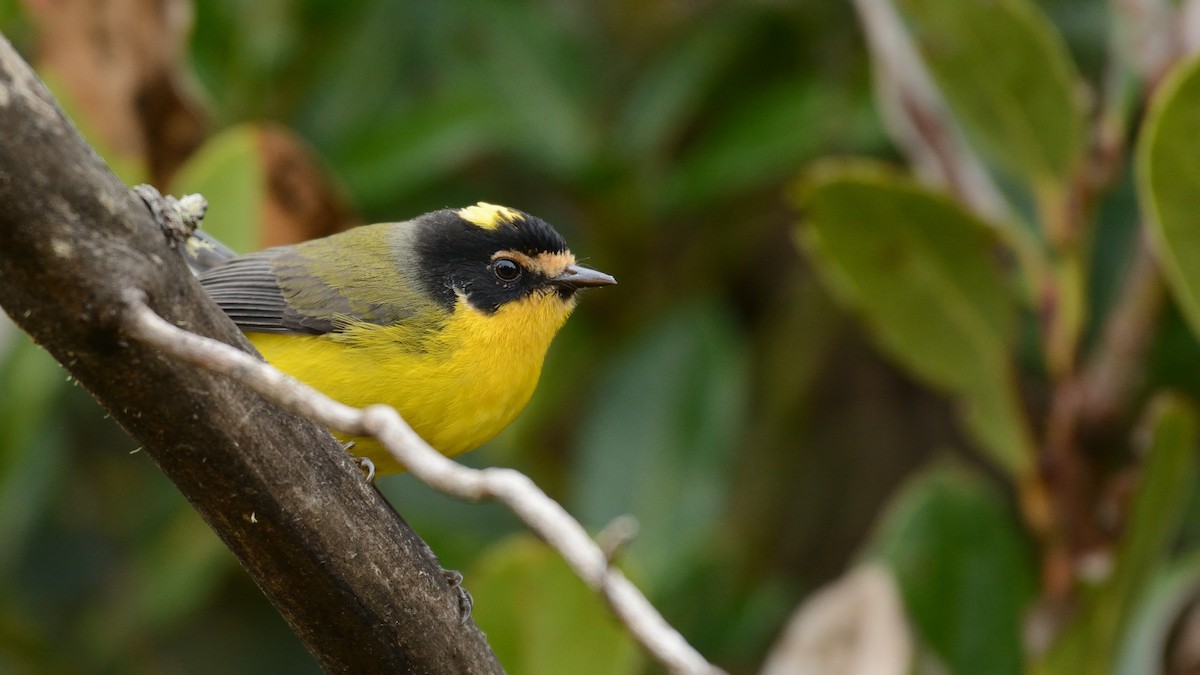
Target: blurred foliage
{"points": [[766, 404], [1105, 463], [1027, 111], [1090, 644], [1169, 174], [952, 541], [919, 269]]}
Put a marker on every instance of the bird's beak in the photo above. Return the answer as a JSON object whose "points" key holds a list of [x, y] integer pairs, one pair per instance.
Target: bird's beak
{"points": [[578, 276]]}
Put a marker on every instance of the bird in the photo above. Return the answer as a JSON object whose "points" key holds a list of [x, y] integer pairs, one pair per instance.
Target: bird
{"points": [[446, 317]]}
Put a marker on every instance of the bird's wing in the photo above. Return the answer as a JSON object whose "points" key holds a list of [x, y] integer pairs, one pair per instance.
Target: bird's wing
{"points": [[248, 289]]}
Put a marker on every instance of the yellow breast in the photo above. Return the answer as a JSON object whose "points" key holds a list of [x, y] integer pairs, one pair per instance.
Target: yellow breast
{"points": [[458, 380]]}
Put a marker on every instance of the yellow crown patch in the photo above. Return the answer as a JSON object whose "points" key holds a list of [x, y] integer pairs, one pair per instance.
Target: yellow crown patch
{"points": [[488, 216]]}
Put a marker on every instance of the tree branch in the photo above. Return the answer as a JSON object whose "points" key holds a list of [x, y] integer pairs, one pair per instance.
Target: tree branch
{"points": [[353, 581], [513, 489]]}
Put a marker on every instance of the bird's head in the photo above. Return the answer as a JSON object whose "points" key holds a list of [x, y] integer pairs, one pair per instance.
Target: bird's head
{"points": [[491, 257]]}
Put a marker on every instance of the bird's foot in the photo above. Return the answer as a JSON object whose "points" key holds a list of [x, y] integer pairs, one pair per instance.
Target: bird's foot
{"points": [[364, 464]]}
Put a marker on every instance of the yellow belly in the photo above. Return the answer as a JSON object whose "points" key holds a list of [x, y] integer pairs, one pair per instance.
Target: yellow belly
{"points": [[457, 385]]}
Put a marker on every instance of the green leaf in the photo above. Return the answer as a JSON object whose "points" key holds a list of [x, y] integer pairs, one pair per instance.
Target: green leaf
{"points": [[965, 570], [1009, 79], [228, 170], [541, 619], [1168, 479], [661, 441], [1168, 172], [920, 271]]}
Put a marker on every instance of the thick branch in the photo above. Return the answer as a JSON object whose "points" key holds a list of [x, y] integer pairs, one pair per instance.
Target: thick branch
{"points": [[354, 582]]}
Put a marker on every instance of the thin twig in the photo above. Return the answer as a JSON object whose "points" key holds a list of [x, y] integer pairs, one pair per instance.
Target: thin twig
{"points": [[1149, 35], [1113, 372], [1189, 27], [541, 513], [917, 117]]}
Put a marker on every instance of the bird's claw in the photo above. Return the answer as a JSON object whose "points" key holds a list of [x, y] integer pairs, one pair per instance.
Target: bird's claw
{"points": [[366, 466]]}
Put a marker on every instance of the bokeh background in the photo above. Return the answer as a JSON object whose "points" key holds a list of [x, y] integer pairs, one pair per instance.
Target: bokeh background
{"points": [[739, 393]]}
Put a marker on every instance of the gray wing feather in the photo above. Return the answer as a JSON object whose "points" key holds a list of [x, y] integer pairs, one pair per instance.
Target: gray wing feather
{"points": [[247, 289]]}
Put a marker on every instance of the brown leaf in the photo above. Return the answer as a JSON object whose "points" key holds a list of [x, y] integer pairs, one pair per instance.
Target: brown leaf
{"points": [[123, 61], [855, 626], [302, 201]]}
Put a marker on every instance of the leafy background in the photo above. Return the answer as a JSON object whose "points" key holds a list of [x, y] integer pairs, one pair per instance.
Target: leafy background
{"points": [[815, 361]]}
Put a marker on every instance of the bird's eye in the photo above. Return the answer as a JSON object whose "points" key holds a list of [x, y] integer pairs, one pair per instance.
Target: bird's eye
{"points": [[506, 270]]}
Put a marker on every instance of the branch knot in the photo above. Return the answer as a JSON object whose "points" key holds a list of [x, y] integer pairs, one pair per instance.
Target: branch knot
{"points": [[177, 218]]}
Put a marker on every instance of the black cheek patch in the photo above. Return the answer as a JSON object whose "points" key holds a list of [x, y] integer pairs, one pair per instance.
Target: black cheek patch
{"points": [[488, 294]]}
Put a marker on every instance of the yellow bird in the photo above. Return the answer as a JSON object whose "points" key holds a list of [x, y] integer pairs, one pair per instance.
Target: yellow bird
{"points": [[446, 317]]}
